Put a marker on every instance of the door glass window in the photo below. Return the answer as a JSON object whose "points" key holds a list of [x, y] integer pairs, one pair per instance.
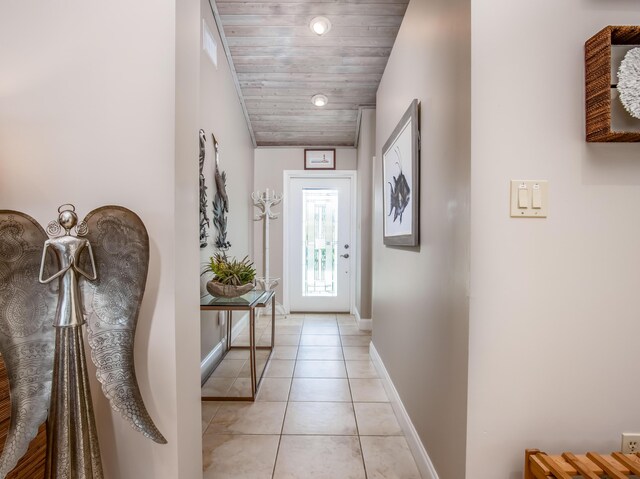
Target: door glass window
{"points": [[320, 242]]}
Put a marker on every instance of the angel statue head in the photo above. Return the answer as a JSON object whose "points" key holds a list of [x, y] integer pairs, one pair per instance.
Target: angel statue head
{"points": [[68, 219], [42, 321]]}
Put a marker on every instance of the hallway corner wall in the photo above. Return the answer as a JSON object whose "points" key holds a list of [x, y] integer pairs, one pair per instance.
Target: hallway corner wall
{"points": [[366, 152], [186, 258], [554, 302], [420, 295], [221, 114]]}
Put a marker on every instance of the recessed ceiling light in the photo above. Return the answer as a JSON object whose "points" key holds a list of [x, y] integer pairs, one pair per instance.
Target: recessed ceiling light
{"points": [[320, 25], [319, 100]]}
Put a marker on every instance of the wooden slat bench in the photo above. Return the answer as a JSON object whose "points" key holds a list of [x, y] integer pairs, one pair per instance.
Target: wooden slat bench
{"points": [[540, 465]]}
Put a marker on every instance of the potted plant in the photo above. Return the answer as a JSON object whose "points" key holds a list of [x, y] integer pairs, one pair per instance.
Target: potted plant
{"points": [[231, 277]]}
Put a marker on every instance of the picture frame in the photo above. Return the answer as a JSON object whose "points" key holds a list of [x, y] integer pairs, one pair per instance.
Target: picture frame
{"points": [[606, 119], [401, 181], [319, 159]]}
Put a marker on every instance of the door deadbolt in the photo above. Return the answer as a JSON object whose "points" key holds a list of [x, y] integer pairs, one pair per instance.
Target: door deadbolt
{"points": [[346, 246]]}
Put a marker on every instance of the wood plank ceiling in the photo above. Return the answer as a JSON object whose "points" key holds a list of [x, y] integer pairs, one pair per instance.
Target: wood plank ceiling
{"points": [[280, 64]]}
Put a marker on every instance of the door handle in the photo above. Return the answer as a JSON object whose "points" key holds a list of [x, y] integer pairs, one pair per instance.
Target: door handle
{"points": [[344, 255]]}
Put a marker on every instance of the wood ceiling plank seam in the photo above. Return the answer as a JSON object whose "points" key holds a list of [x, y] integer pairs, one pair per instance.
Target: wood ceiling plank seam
{"points": [[297, 119], [338, 125], [305, 138], [308, 92], [301, 85], [325, 1], [276, 144], [296, 98], [305, 31], [374, 77], [297, 20], [292, 107], [272, 114], [310, 136], [311, 61], [285, 119], [293, 120], [308, 129], [311, 8], [303, 126], [347, 90], [289, 105], [310, 41], [312, 129], [315, 51], [326, 87], [250, 68]]}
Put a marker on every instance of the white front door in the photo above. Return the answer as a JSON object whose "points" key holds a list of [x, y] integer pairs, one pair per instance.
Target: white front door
{"points": [[320, 255]]}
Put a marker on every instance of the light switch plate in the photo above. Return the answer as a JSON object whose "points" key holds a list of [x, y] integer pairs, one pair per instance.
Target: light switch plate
{"points": [[538, 189]]}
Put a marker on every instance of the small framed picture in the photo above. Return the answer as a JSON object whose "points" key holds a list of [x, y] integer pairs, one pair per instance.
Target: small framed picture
{"points": [[317, 159]]}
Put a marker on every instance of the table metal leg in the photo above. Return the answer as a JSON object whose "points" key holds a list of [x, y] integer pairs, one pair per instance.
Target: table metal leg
{"points": [[273, 321], [252, 350], [229, 328]]}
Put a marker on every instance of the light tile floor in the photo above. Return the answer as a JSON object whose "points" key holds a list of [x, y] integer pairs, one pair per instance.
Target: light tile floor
{"points": [[321, 410]]}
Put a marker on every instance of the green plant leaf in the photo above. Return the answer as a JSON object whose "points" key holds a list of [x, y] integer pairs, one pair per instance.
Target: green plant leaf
{"points": [[229, 270]]}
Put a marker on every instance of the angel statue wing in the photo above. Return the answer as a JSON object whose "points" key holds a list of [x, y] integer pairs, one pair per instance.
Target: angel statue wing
{"points": [[27, 312], [112, 303]]}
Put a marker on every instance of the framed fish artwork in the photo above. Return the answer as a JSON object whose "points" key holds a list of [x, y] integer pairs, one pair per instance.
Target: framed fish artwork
{"points": [[401, 181]]}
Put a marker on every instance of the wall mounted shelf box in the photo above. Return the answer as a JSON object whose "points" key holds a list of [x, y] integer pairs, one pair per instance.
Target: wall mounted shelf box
{"points": [[539, 465], [599, 84]]}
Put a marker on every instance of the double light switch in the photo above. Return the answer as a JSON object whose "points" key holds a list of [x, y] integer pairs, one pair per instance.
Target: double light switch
{"points": [[529, 198]]}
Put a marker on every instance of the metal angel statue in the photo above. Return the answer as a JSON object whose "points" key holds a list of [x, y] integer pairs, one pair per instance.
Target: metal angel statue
{"points": [[96, 276]]}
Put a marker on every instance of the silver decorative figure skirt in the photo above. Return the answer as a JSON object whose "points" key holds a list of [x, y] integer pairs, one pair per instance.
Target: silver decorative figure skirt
{"points": [[72, 441]]}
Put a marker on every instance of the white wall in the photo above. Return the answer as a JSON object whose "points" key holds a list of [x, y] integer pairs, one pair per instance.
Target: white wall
{"points": [[420, 303], [88, 115], [554, 302], [270, 164], [366, 152], [221, 114]]}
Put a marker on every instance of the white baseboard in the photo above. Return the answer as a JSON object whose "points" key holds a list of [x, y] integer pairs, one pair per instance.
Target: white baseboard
{"points": [[425, 466], [363, 324], [209, 363]]}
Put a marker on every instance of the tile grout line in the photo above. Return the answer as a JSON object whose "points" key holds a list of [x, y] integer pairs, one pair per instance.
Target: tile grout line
{"points": [[284, 418], [355, 418]]}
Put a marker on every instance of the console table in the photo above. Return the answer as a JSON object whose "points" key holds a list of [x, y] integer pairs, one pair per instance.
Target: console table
{"points": [[247, 302]]}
